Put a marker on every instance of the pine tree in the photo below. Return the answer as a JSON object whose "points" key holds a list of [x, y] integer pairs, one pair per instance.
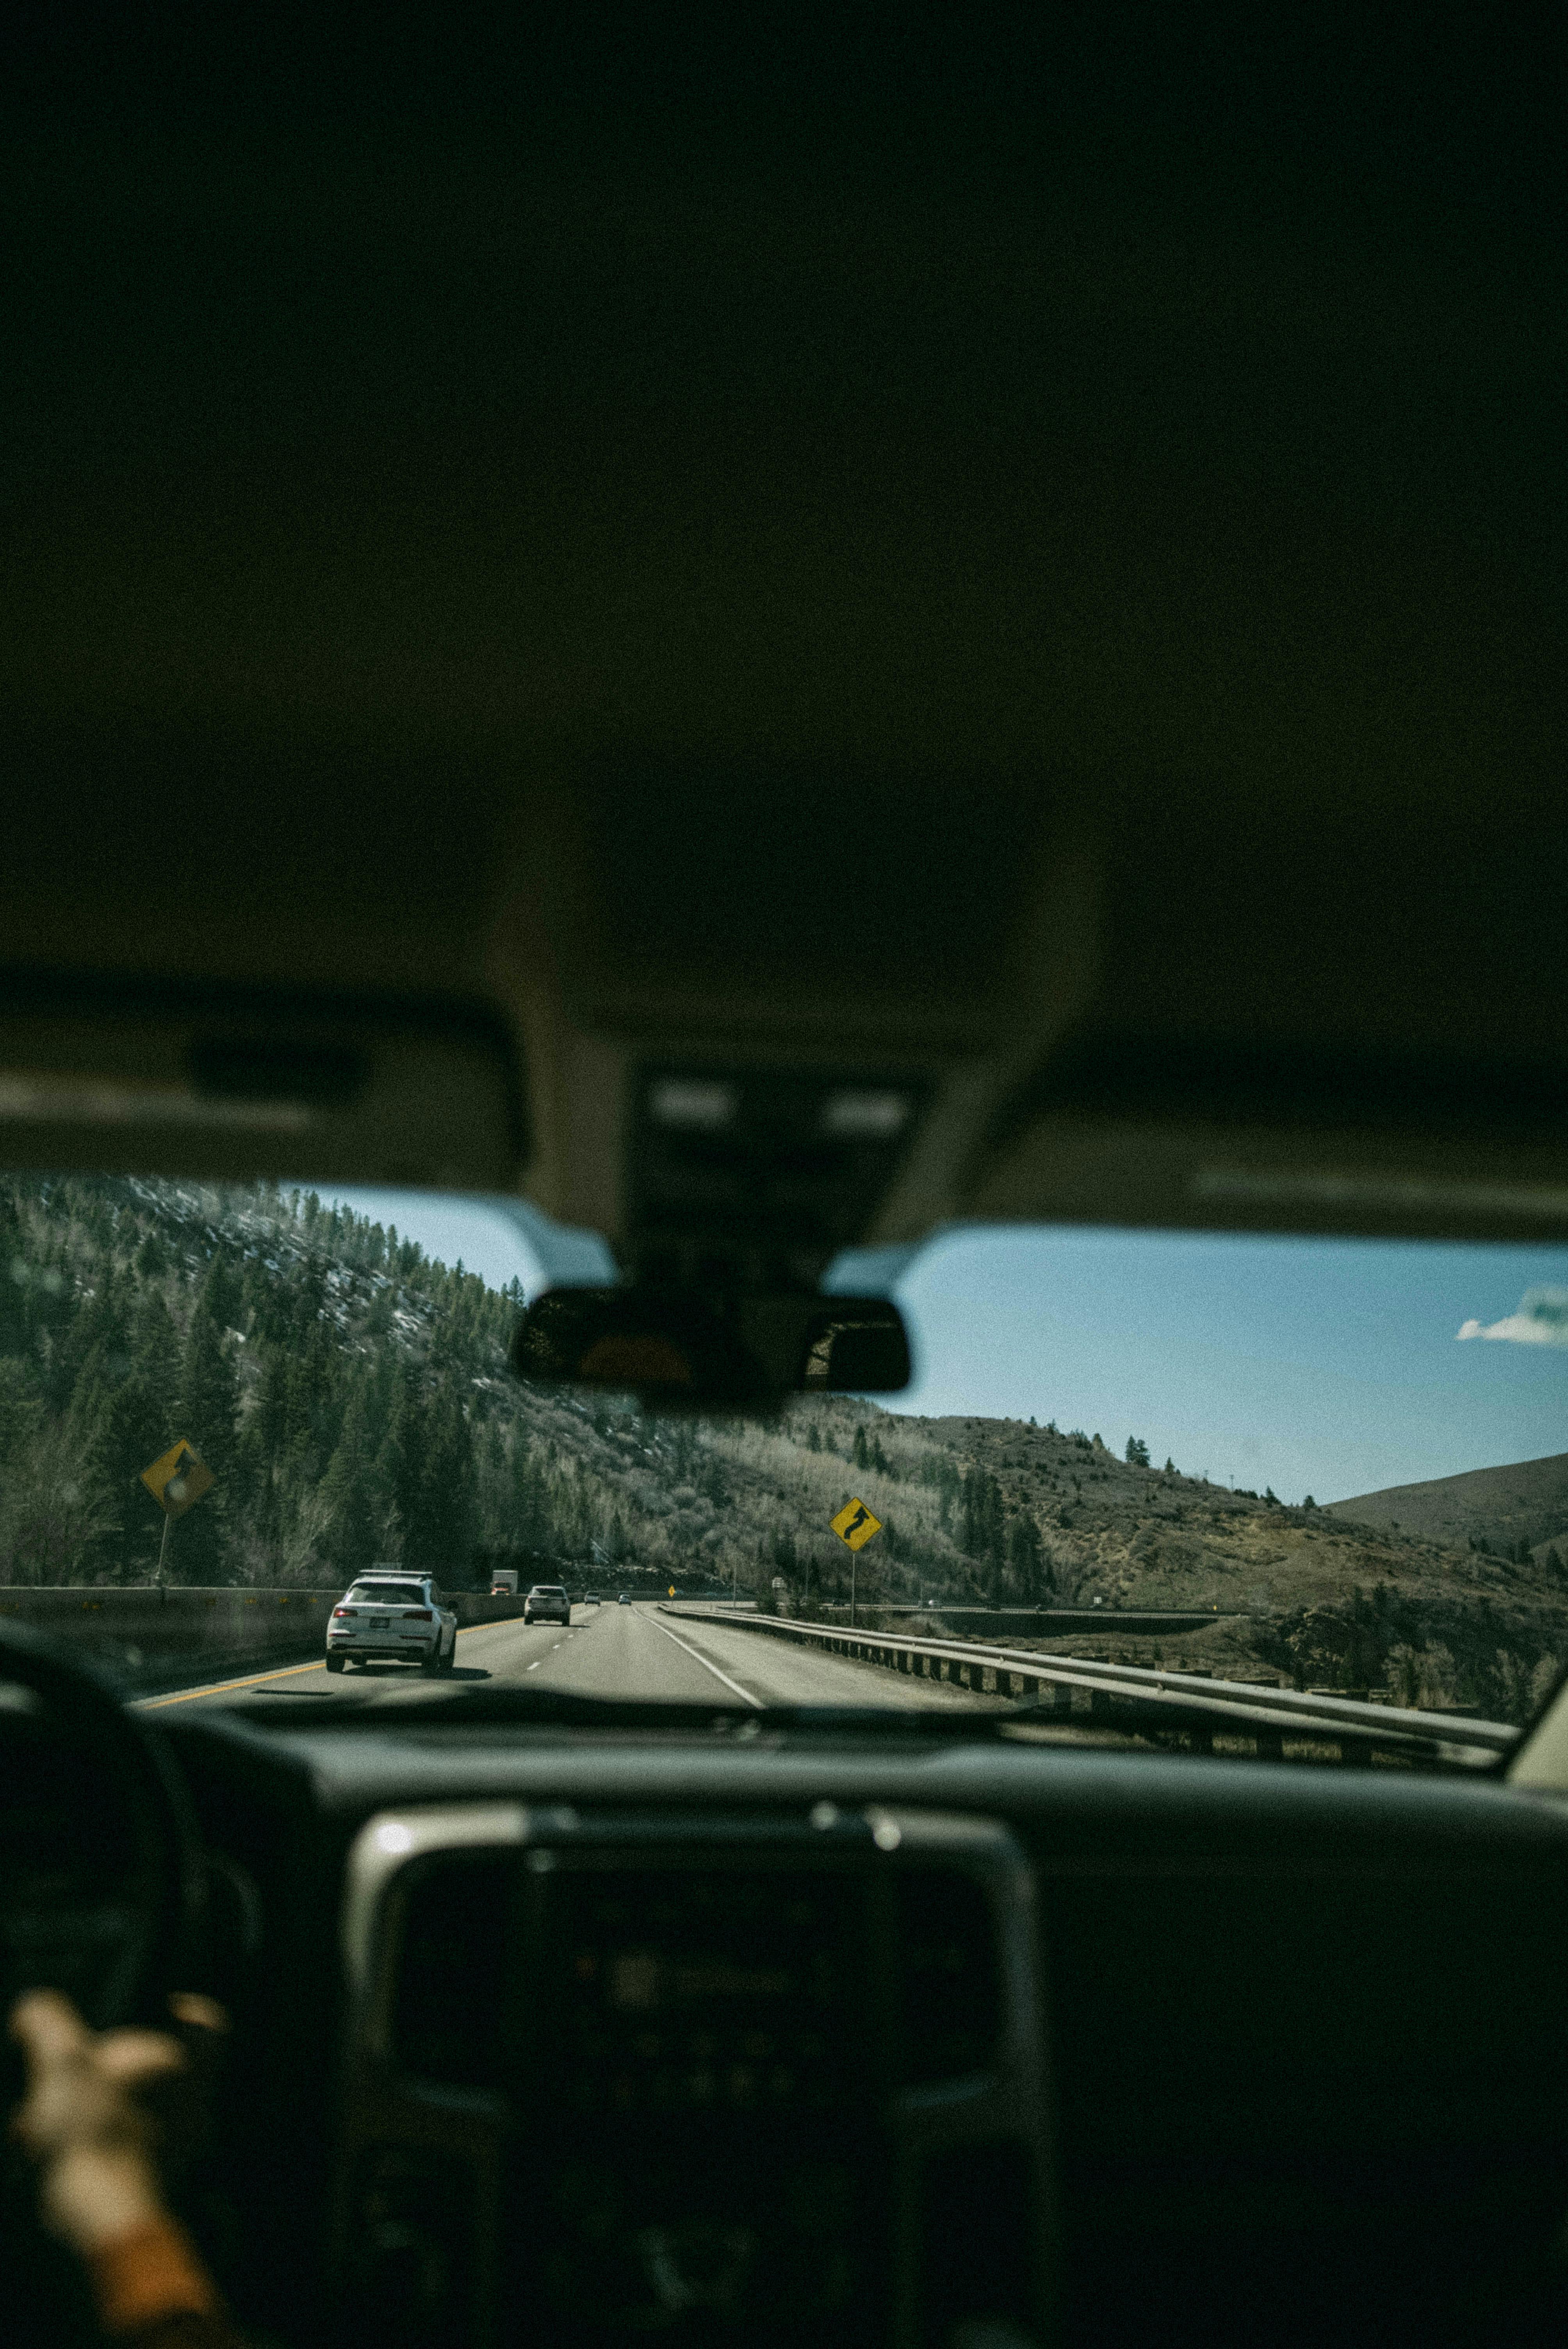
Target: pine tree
{"points": [[397, 1462], [97, 1327], [21, 1409], [971, 1532], [526, 1517], [222, 1290], [437, 1504], [206, 1398], [490, 1484], [152, 1257], [347, 1492], [1026, 1557]]}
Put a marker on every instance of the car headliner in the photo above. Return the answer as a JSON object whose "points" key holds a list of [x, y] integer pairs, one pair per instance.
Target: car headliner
{"points": [[906, 560]]}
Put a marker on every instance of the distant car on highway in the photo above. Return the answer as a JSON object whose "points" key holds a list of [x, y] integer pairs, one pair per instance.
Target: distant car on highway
{"points": [[622, 1600], [389, 1616], [591, 1599], [547, 1603]]}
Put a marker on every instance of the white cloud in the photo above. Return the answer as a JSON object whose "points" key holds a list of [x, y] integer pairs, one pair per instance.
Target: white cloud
{"points": [[1542, 1320]]}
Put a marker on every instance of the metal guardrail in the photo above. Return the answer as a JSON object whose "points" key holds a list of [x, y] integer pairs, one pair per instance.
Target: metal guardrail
{"points": [[1268, 1715]]}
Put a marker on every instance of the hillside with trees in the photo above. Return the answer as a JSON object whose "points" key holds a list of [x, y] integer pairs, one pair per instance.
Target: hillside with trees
{"points": [[354, 1402]]}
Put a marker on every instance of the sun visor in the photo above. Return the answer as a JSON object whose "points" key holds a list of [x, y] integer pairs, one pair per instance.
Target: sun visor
{"points": [[1218, 1135], [231, 1083]]}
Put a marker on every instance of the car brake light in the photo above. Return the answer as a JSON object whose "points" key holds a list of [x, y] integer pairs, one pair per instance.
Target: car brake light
{"points": [[417, 1615], [343, 1610]]}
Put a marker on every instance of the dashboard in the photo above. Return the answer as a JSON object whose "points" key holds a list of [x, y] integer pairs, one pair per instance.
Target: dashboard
{"points": [[572, 2038], [747, 2071]]}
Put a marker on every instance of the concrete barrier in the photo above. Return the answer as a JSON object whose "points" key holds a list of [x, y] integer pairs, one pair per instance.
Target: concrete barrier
{"points": [[148, 1639]]}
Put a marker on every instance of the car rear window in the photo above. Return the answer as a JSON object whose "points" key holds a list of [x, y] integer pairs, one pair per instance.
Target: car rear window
{"points": [[377, 1594]]}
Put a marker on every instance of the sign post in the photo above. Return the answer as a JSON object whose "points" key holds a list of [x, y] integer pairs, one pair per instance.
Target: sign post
{"points": [[854, 1525], [176, 1480]]}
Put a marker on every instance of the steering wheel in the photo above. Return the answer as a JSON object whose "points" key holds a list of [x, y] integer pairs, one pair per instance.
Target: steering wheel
{"points": [[101, 1885], [101, 1895]]}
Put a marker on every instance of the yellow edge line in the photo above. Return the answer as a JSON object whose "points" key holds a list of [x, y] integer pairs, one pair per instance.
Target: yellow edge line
{"points": [[216, 1688], [283, 1672]]}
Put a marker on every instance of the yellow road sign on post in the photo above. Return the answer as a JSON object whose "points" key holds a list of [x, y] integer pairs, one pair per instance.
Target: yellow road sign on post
{"points": [[179, 1479], [855, 1524]]}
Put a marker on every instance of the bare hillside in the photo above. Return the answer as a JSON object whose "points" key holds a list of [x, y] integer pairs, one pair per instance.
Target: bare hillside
{"points": [[1526, 1501]]}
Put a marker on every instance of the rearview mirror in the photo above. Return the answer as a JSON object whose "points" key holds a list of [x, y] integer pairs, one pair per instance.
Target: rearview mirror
{"points": [[674, 1348]]}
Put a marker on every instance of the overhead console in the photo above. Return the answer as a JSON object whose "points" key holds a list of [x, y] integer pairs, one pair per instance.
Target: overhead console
{"points": [[696, 2078]]}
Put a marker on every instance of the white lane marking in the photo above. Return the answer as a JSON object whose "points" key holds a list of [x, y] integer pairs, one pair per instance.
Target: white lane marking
{"points": [[537, 1661], [744, 1695]]}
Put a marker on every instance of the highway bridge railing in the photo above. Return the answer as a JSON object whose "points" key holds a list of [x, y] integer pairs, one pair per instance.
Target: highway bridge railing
{"points": [[1130, 1695]]}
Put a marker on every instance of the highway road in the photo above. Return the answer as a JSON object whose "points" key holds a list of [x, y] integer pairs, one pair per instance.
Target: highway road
{"points": [[619, 1652]]}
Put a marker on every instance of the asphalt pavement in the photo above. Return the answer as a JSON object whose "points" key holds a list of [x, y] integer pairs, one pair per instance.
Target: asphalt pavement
{"points": [[631, 1651]]}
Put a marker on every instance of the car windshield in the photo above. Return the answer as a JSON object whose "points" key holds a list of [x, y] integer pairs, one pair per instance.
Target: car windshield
{"points": [[1297, 1464]]}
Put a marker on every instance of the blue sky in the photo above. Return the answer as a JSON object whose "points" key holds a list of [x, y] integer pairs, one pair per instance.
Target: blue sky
{"points": [[1323, 1366]]}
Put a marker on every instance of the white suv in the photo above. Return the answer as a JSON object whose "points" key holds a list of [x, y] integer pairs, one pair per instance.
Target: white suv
{"points": [[547, 1603], [393, 1616]]}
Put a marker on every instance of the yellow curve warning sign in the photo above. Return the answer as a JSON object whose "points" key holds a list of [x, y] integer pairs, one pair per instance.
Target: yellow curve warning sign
{"points": [[855, 1524], [178, 1479]]}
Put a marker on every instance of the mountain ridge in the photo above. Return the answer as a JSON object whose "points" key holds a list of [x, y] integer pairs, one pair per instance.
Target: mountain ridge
{"points": [[1523, 1501]]}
